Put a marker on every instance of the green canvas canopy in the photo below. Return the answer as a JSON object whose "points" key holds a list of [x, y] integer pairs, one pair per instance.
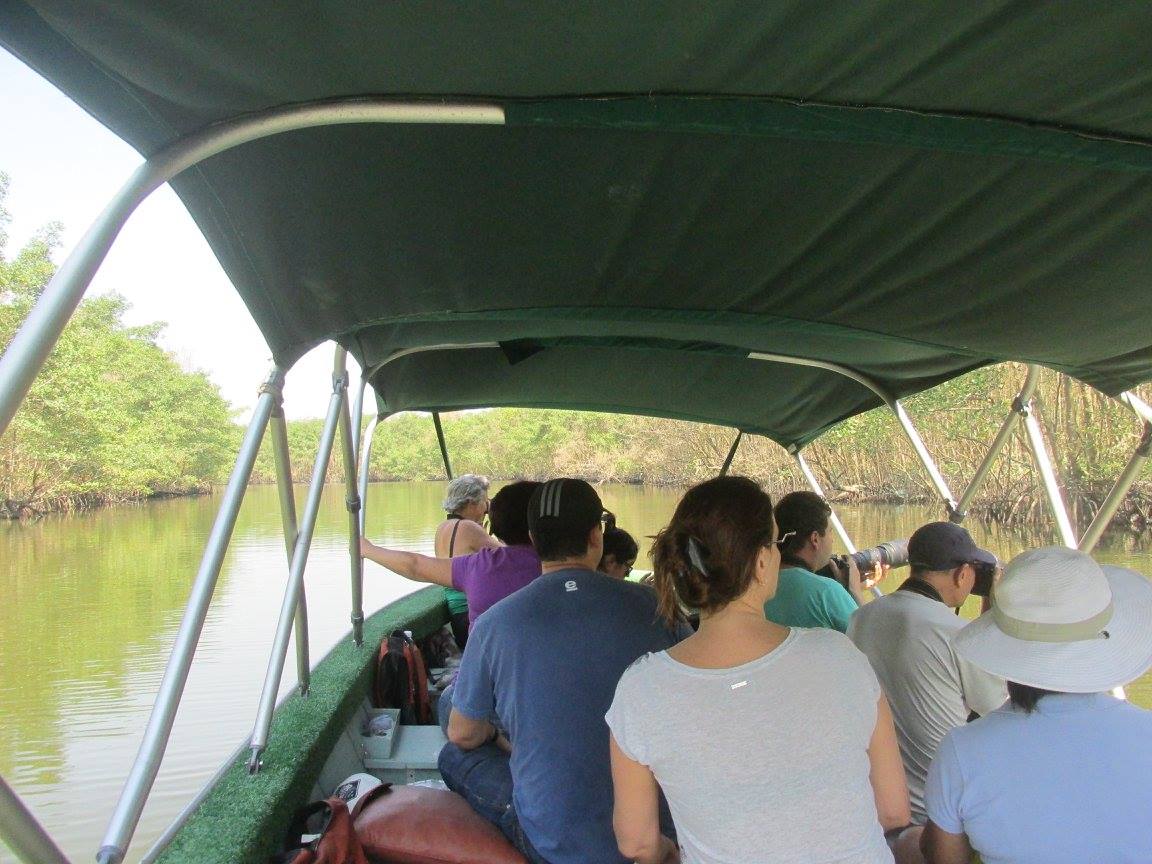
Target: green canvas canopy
{"points": [[900, 192]]}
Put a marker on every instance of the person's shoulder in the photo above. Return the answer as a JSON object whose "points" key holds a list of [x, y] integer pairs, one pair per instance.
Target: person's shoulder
{"points": [[830, 646], [1132, 716], [798, 574], [642, 667], [825, 638], [813, 582], [640, 591], [474, 532]]}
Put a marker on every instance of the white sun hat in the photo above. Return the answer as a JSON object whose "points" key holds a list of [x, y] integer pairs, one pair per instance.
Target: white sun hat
{"points": [[1060, 621]]}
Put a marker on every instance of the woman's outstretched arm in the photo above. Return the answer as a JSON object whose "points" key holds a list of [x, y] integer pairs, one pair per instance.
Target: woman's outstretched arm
{"points": [[410, 565], [889, 786]]}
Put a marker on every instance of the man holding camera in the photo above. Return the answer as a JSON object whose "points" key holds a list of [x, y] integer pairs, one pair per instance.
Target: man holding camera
{"points": [[804, 599], [907, 636]]}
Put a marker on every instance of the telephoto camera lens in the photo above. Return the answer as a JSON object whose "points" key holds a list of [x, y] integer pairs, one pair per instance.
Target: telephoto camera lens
{"points": [[894, 553]]}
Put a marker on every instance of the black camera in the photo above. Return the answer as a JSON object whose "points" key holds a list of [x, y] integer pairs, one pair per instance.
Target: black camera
{"points": [[985, 578], [894, 553]]}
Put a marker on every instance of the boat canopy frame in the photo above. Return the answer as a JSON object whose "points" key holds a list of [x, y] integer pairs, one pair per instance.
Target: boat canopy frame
{"points": [[899, 133], [36, 337]]}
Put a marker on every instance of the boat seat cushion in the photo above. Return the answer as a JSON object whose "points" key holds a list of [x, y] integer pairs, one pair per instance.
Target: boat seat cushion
{"points": [[418, 825]]}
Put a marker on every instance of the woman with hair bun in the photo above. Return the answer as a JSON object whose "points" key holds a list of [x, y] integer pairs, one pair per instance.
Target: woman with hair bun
{"points": [[771, 744]]}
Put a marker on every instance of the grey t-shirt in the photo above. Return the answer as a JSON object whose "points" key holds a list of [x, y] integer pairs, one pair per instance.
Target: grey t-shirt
{"points": [[908, 639], [763, 763]]}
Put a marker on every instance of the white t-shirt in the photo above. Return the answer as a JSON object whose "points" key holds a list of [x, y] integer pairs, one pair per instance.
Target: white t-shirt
{"points": [[764, 763], [908, 639]]}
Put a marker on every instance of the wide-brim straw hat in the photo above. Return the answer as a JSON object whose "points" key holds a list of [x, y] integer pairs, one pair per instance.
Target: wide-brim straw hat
{"points": [[1062, 622]]}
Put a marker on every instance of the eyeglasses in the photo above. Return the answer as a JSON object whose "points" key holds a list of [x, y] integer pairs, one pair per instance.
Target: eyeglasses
{"points": [[782, 539]]}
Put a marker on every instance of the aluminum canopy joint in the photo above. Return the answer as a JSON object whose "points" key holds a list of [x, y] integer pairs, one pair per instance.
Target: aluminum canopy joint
{"points": [[352, 502], [276, 389]]}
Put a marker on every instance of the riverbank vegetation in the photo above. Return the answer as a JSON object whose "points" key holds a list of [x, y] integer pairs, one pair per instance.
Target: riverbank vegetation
{"points": [[114, 418], [867, 458]]}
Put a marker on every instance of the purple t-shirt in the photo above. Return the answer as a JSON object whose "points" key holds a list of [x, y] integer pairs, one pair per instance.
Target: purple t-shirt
{"points": [[490, 575]]}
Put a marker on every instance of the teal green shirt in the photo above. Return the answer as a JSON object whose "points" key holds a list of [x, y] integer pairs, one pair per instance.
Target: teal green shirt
{"points": [[804, 599], [457, 601]]}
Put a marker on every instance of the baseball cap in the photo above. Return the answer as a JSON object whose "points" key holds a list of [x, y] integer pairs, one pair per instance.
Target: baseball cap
{"points": [[944, 545], [564, 503]]}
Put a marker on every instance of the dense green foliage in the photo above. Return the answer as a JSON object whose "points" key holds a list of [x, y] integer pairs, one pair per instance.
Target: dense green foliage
{"points": [[112, 416], [867, 458]]}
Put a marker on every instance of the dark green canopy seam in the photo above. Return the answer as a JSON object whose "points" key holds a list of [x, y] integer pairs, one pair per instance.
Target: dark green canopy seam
{"points": [[785, 117], [646, 314]]}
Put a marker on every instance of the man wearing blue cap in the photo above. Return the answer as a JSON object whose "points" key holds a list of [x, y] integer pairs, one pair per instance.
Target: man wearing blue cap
{"points": [[543, 664], [907, 636]]}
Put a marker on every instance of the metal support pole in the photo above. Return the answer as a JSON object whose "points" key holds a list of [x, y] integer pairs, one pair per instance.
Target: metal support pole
{"points": [[837, 525], [1123, 483], [1023, 398], [40, 331], [358, 414], [365, 460], [284, 486], [296, 575], [22, 833], [143, 774], [351, 499], [925, 457], [1048, 476], [443, 443], [731, 455]]}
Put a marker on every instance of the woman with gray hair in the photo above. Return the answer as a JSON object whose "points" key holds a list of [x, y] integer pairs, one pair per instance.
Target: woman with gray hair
{"points": [[462, 533]]}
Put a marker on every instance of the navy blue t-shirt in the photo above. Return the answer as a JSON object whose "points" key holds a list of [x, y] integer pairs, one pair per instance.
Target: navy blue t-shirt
{"points": [[547, 660]]}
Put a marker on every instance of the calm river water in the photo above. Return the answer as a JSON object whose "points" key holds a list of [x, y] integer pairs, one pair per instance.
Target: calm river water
{"points": [[92, 603]]}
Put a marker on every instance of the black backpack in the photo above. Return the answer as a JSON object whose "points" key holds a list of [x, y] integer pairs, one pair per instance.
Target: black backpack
{"points": [[401, 680]]}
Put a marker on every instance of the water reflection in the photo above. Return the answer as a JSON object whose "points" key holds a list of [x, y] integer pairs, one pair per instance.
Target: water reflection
{"points": [[92, 604]]}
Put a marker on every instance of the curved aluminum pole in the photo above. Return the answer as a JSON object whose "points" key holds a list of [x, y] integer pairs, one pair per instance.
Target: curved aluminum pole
{"points": [[847, 372], [284, 487], [1023, 398], [22, 833], [147, 764], [39, 333], [352, 498], [296, 574]]}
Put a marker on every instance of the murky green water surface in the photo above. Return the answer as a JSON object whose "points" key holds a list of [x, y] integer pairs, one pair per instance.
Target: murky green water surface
{"points": [[91, 605]]}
